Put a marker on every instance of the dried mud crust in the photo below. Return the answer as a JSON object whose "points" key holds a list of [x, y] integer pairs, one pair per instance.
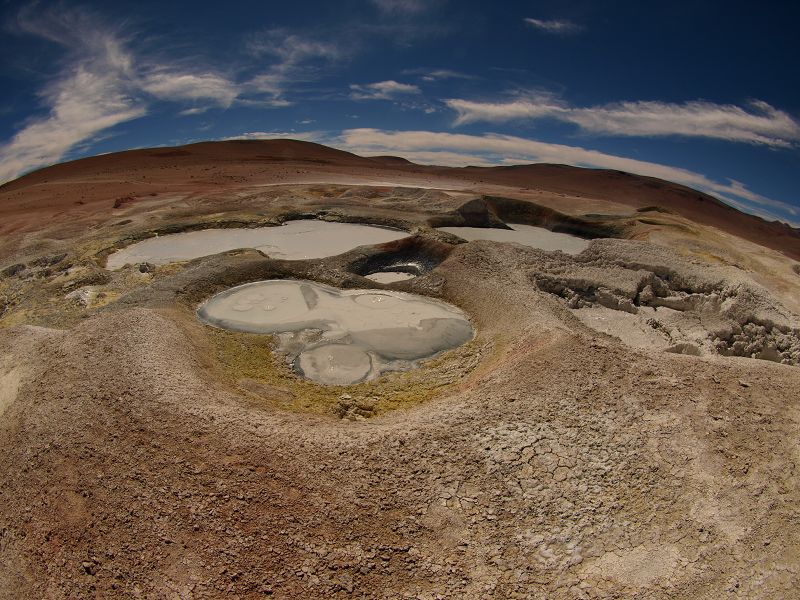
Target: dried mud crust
{"points": [[565, 465], [249, 364], [711, 309]]}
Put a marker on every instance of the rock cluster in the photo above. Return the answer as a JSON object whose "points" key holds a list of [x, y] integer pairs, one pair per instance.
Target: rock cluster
{"points": [[765, 341], [707, 307], [355, 409]]}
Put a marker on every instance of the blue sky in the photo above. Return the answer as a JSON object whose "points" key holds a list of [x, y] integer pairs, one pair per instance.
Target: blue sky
{"points": [[702, 93]]}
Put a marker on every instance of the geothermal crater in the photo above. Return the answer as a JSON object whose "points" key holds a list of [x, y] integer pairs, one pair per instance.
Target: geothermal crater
{"points": [[340, 336], [295, 240], [509, 420]]}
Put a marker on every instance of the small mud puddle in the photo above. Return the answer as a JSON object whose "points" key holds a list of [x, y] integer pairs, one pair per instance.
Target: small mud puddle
{"points": [[390, 276], [296, 240], [338, 336], [527, 235]]}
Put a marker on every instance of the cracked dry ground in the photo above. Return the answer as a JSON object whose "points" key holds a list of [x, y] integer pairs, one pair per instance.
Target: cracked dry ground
{"points": [[566, 465]]}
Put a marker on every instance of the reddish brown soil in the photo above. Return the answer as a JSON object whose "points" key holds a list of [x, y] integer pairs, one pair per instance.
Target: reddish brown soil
{"points": [[94, 185]]}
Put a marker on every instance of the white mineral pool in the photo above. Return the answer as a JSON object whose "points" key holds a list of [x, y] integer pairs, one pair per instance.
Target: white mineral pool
{"points": [[527, 235], [295, 240], [338, 336]]}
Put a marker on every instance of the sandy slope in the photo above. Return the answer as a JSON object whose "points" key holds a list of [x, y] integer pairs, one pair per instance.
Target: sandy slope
{"points": [[141, 455]]}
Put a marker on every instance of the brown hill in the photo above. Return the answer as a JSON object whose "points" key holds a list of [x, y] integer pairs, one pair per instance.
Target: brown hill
{"points": [[218, 153], [89, 183]]}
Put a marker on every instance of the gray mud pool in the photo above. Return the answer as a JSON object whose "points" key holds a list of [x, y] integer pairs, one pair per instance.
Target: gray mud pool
{"points": [[527, 235], [295, 240], [338, 336], [390, 276]]}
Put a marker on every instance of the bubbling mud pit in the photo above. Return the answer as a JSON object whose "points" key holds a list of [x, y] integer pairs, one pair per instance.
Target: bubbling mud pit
{"points": [[340, 337], [295, 240]]}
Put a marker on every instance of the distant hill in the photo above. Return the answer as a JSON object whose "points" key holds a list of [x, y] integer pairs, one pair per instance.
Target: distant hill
{"points": [[215, 165]]}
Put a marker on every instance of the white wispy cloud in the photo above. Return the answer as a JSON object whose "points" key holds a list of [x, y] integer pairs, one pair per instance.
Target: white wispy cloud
{"points": [[197, 110], [558, 27], [462, 149], [167, 84], [442, 74], [531, 107], [103, 82], [73, 118], [292, 49], [91, 94], [382, 90], [296, 58], [758, 123]]}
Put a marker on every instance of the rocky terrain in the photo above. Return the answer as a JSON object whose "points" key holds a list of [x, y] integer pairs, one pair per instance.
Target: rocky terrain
{"points": [[623, 425]]}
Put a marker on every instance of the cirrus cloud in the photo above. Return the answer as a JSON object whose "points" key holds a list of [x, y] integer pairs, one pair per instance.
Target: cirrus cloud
{"points": [[91, 94], [758, 123], [105, 79], [171, 85], [557, 27], [382, 90]]}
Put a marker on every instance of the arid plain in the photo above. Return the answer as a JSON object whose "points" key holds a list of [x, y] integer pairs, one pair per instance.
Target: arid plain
{"points": [[624, 424]]}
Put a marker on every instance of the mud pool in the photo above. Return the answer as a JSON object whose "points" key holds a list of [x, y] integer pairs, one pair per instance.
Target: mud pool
{"points": [[295, 240], [340, 337], [527, 235], [390, 276]]}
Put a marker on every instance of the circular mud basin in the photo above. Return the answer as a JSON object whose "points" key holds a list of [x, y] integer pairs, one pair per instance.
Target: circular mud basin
{"points": [[335, 364], [340, 337], [295, 240]]}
